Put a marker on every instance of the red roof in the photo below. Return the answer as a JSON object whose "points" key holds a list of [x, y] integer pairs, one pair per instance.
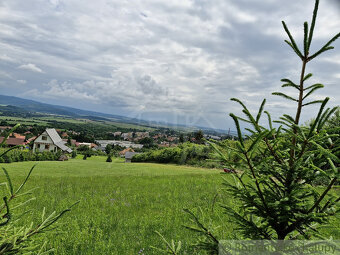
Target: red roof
{"points": [[13, 141], [16, 135]]}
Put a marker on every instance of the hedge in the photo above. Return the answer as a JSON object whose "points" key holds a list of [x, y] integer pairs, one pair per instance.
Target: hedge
{"points": [[18, 155]]}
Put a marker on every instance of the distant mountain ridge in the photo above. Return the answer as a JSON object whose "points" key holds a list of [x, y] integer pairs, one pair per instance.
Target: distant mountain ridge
{"points": [[28, 105], [34, 106]]}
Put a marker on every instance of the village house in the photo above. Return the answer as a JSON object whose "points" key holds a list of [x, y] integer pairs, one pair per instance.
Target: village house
{"points": [[141, 135], [123, 152], [16, 135], [73, 141], [50, 140], [12, 141], [129, 155], [126, 144], [127, 136], [117, 133], [83, 144], [164, 144], [171, 138], [64, 135]]}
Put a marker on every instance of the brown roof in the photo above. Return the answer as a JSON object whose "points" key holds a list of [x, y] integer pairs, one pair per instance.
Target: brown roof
{"points": [[16, 135], [13, 141], [126, 150]]}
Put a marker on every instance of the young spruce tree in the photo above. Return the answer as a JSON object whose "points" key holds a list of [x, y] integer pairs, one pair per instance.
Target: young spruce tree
{"points": [[279, 165]]}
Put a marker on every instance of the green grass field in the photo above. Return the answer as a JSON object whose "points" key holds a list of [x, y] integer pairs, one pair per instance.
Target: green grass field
{"points": [[121, 205]]}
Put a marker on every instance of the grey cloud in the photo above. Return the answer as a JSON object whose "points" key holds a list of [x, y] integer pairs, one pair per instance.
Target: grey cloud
{"points": [[180, 59]]}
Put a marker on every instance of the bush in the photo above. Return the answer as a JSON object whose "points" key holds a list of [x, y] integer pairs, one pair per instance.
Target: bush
{"points": [[187, 153], [19, 155], [109, 158], [74, 154]]}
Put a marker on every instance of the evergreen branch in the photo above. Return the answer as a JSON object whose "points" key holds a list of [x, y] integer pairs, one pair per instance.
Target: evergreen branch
{"points": [[322, 50], [290, 85], [324, 102], [315, 13], [251, 167], [313, 102], [250, 131], [240, 102], [282, 122], [294, 49], [325, 152], [269, 120], [242, 119], [247, 113], [200, 225], [307, 76], [284, 96], [325, 118], [238, 129], [329, 203], [330, 185], [292, 41], [252, 120], [288, 81], [315, 87], [312, 86], [256, 141], [260, 111], [305, 39], [289, 118], [325, 47]]}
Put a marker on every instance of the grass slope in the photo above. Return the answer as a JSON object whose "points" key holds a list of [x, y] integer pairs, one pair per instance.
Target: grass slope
{"points": [[121, 205]]}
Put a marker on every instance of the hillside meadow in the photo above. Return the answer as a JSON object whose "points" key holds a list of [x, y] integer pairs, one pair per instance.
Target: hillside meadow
{"points": [[121, 205]]}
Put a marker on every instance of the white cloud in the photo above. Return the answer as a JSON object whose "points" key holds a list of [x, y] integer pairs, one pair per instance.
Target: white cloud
{"points": [[21, 81], [6, 58], [31, 67]]}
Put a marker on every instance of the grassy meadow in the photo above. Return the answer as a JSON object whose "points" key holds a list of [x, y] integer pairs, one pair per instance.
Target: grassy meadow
{"points": [[121, 205]]}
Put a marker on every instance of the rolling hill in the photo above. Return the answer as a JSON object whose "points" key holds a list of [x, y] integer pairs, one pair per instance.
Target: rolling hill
{"points": [[11, 104]]}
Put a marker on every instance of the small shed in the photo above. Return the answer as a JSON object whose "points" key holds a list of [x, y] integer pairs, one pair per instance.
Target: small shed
{"points": [[129, 155]]}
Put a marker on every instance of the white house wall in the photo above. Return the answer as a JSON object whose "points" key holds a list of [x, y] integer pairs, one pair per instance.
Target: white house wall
{"points": [[43, 143]]}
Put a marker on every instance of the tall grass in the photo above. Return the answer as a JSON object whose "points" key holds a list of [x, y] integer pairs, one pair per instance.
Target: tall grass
{"points": [[123, 204]]}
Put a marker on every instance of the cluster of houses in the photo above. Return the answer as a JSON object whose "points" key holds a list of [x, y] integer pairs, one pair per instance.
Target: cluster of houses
{"points": [[131, 136], [125, 144], [49, 140], [15, 138]]}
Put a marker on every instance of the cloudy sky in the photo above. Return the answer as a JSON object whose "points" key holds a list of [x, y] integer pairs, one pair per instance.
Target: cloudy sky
{"points": [[177, 61]]}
